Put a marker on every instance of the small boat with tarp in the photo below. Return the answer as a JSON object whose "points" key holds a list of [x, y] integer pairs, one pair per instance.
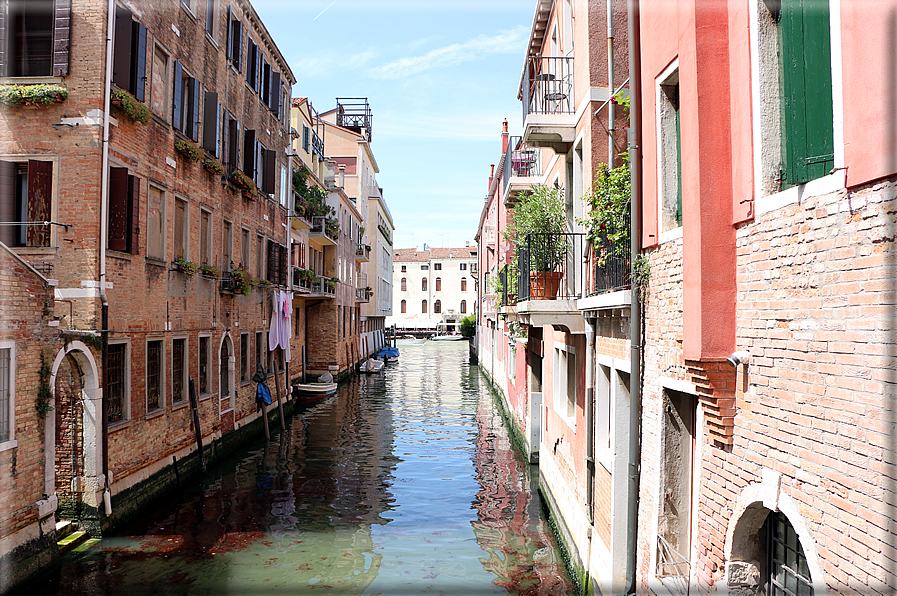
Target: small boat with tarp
{"points": [[316, 390]]}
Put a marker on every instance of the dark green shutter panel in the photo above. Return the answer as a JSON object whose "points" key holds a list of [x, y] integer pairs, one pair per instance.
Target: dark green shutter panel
{"points": [[8, 202], [178, 93], [118, 209], [275, 94], [138, 51], [306, 138], [270, 174], [193, 122], [234, 133], [806, 79], [250, 62]]}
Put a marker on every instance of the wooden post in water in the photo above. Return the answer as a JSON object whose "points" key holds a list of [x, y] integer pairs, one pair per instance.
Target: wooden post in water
{"points": [[277, 356], [194, 405]]}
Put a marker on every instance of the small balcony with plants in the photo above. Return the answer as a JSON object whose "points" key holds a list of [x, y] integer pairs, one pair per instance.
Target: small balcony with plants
{"points": [[522, 169], [237, 281], [309, 201], [325, 230], [364, 294], [549, 106], [362, 253], [311, 285]]}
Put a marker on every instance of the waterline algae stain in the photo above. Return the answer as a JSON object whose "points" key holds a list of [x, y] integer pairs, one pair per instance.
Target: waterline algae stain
{"points": [[402, 483]]}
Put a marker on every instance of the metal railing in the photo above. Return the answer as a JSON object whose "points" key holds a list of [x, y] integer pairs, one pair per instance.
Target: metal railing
{"points": [[550, 267], [609, 269], [320, 285], [520, 161], [354, 113], [321, 225], [548, 86], [361, 295], [362, 250]]}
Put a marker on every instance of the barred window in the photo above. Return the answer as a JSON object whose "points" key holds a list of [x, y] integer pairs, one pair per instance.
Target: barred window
{"points": [[115, 383], [204, 381], [6, 417], [153, 375], [178, 370]]}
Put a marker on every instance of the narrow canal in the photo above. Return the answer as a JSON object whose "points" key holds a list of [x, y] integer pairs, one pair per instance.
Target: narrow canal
{"points": [[404, 482]]}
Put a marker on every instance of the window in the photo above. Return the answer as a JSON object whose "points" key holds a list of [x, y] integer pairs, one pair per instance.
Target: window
{"points": [[462, 266], [786, 564], [191, 6], [124, 211], [565, 383], [404, 284], [306, 139], [267, 174], [227, 246], [26, 195], [423, 284], [463, 284], [424, 267], [185, 108], [404, 307], [404, 268], [805, 60], [463, 307], [670, 153], [234, 41], [230, 141], [611, 386], [423, 306], [117, 383], [437, 266], [35, 39], [437, 307], [224, 386], [676, 470], [259, 349], [205, 364], [155, 387], [129, 54], [159, 89], [7, 391], [244, 358], [438, 284], [253, 53], [277, 261], [251, 151], [211, 17], [181, 226], [178, 370], [283, 187], [260, 256], [155, 223], [211, 123], [205, 237], [245, 248]]}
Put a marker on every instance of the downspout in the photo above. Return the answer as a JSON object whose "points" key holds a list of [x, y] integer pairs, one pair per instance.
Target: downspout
{"points": [[104, 215], [635, 322], [611, 113], [590, 439]]}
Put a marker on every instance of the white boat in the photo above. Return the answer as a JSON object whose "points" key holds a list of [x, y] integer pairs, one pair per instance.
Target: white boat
{"points": [[388, 354], [448, 337], [320, 389], [372, 366]]}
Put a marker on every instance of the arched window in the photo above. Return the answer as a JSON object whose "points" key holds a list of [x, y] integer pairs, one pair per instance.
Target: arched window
{"points": [[423, 306], [463, 284], [423, 284], [404, 284], [438, 284], [404, 307], [463, 306], [437, 307]]}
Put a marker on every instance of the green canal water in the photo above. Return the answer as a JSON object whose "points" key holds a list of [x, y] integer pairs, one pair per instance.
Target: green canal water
{"points": [[402, 483]]}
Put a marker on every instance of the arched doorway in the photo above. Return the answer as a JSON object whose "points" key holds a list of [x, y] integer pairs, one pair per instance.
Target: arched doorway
{"points": [[226, 367], [69, 437]]}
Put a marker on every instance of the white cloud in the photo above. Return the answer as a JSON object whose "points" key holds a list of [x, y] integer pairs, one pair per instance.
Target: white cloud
{"points": [[454, 54]]}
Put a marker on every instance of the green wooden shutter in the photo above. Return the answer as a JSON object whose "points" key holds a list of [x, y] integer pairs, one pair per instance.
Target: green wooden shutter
{"points": [[138, 62], [806, 81], [177, 108]]}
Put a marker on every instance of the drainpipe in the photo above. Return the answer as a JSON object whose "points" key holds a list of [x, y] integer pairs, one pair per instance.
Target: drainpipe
{"points": [[590, 439], [611, 110], [104, 215], [635, 326]]}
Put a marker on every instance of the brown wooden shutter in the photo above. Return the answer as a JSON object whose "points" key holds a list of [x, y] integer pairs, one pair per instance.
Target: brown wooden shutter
{"points": [[121, 57], [211, 110], [234, 134], [62, 33], [8, 202], [284, 259], [274, 104], [226, 140], [271, 272], [133, 215], [270, 162], [249, 153], [118, 209], [40, 187]]}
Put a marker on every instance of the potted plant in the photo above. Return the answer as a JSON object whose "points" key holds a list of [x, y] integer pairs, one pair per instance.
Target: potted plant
{"points": [[241, 280], [187, 150], [242, 181], [186, 266], [607, 224], [537, 229], [130, 106], [330, 284], [210, 271], [33, 95], [213, 166]]}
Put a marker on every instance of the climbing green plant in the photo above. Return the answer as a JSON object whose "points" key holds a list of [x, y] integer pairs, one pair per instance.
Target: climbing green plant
{"points": [[42, 403], [641, 276], [607, 222]]}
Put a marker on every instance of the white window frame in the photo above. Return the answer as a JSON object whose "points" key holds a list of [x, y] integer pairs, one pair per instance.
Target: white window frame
{"points": [[126, 398], [162, 375], [665, 79], [163, 216], [561, 400], [11, 443], [209, 393]]}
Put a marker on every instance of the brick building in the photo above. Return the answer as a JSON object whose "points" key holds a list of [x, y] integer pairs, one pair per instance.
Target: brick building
{"points": [[122, 203], [29, 340]]}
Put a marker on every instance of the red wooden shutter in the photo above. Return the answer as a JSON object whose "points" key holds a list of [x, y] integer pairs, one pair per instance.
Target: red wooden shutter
{"points": [[118, 209], [40, 187], [133, 215]]}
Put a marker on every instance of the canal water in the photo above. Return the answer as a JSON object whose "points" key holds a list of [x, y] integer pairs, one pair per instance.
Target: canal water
{"points": [[402, 483]]}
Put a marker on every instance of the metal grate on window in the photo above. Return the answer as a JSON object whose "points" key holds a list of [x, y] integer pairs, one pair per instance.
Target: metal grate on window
{"points": [[153, 375], [115, 384], [203, 365], [178, 349], [5, 426], [789, 574]]}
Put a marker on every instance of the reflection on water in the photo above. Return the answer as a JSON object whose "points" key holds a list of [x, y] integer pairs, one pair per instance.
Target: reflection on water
{"points": [[402, 483]]}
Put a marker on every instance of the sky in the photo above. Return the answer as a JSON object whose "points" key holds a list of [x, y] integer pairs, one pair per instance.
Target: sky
{"points": [[440, 77]]}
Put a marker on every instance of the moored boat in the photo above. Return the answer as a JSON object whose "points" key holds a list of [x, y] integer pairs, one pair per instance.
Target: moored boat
{"points": [[313, 391], [388, 354], [372, 366], [448, 337]]}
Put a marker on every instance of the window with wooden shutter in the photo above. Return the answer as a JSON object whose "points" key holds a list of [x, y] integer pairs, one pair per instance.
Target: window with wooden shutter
{"points": [[177, 106], [62, 29], [274, 96], [193, 114], [265, 91], [306, 139], [269, 159], [211, 18], [129, 54], [249, 153], [124, 211], [806, 86], [180, 229], [236, 44], [138, 61], [211, 123], [273, 264], [185, 107], [8, 233], [252, 52], [28, 28]]}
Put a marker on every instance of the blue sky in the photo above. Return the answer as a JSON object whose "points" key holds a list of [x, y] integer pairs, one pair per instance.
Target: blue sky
{"points": [[440, 77]]}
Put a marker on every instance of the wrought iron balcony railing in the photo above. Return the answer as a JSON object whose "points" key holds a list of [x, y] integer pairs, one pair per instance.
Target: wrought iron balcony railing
{"points": [[550, 267], [548, 86], [354, 113], [609, 269], [521, 161], [325, 226]]}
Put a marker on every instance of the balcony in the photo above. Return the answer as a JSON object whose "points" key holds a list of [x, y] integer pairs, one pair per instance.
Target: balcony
{"points": [[362, 253], [550, 276], [300, 219], [324, 230], [608, 280], [354, 113], [522, 170], [363, 294], [309, 285], [549, 109]]}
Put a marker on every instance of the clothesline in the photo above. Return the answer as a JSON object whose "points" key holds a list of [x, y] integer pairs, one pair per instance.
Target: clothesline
{"points": [[281, 330]]}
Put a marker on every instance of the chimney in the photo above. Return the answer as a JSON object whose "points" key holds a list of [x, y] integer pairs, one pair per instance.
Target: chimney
{"points": [[342, 175], [425, 246], [504, 136], [491, 176]]}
